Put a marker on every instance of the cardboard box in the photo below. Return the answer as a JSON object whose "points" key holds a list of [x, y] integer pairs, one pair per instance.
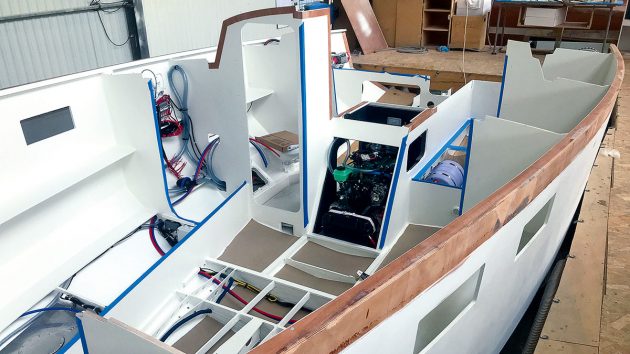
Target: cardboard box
{"points": [[544, 17], [475, 32], [283, 141]]}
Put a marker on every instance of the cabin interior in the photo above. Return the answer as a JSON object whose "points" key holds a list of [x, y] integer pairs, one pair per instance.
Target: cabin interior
{"points": [[218, 197]]}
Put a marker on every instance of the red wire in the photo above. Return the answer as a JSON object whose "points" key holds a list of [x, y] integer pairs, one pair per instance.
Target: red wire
{"points": [[240, 299], [152, 236], [265, 145]]}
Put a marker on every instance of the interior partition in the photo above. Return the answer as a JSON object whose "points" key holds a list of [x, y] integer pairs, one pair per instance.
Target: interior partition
{"points": [[556, 104], [116, 173], [500, 142]]}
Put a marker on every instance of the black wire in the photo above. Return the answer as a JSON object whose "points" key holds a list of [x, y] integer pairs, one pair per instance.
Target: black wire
{"points": [[100, 19], [141, 227], [182, 322], [191, 134]]}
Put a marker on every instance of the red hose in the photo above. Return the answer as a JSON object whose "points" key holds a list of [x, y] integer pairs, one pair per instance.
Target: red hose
{"points": [[240, 299], [152, 235], [265, 145]]}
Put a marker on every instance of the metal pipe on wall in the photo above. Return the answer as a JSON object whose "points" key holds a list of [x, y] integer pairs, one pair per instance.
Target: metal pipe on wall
{"points": [[75, 10]]}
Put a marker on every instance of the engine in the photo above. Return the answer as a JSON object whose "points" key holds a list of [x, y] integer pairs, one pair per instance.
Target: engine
{"points": [[356, 205]]}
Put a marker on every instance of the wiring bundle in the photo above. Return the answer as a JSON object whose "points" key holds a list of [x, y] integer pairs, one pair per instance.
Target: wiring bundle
{"points": [[175, 122]]}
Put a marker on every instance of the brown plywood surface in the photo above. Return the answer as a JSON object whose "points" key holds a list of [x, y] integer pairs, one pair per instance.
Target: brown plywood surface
{"points": [[445, 69], [264, 305], [323, 257], [555, 347], [365, 25], [199, 335], [385, 11], [474, 28], [257, 246], [615, 327], [575, 318], [409, 23], [299, 277], [413, 235]]}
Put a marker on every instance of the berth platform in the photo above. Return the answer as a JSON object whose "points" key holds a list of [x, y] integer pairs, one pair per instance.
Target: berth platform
{"points": [[591, 311]]}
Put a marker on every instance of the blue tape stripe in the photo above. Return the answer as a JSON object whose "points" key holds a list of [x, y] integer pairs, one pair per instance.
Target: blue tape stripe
{"points": [[170, 252], [304, 120], [159, 140], [502, 86], [470, 138], [419, 175], [82, 336], [456, 148], [392, 194], [425, 77]]}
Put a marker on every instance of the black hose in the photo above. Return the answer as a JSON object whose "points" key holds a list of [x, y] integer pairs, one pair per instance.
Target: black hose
{"points": [[545, 305], [183, 321]]}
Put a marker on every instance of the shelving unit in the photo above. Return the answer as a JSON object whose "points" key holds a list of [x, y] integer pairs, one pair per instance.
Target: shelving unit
{"points": [[436, 22]]}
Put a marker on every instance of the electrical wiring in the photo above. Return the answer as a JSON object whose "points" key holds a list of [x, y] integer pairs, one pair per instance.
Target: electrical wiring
{"points": [[182, 322], [266, 146], [46, 309], [190, 146], [207, 275], [152, 237], [260, 152], [100, 19]]}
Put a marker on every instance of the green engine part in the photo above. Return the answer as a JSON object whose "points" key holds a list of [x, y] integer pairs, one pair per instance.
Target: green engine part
{"points": [[341, 174]]}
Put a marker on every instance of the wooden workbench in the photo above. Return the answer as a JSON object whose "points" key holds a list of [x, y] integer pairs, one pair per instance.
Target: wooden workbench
{"points": [[445, 69]]}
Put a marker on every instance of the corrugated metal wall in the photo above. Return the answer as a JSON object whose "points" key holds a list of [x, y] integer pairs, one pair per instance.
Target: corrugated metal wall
{"points": [[178, 25], [37, 49]]}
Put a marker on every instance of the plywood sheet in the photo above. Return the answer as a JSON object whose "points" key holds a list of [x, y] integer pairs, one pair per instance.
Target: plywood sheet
{"points": [[365, 25], [575, 318], [474, 28], [556, 347], [385, 11], [409, 23], [257, 246], [200, 334], [323, 257], [297, 276], [413, 235], [264, 305], [615, 321]]}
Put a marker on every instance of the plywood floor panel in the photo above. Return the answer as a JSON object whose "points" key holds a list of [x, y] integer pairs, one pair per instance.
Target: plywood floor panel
{"points": [[257, 246], [615, 320]]}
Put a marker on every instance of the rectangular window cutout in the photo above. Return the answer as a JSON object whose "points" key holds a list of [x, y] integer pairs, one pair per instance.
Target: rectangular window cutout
{"points": [[47, 125], [436, 321], [416, 150], [534, 225]]}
